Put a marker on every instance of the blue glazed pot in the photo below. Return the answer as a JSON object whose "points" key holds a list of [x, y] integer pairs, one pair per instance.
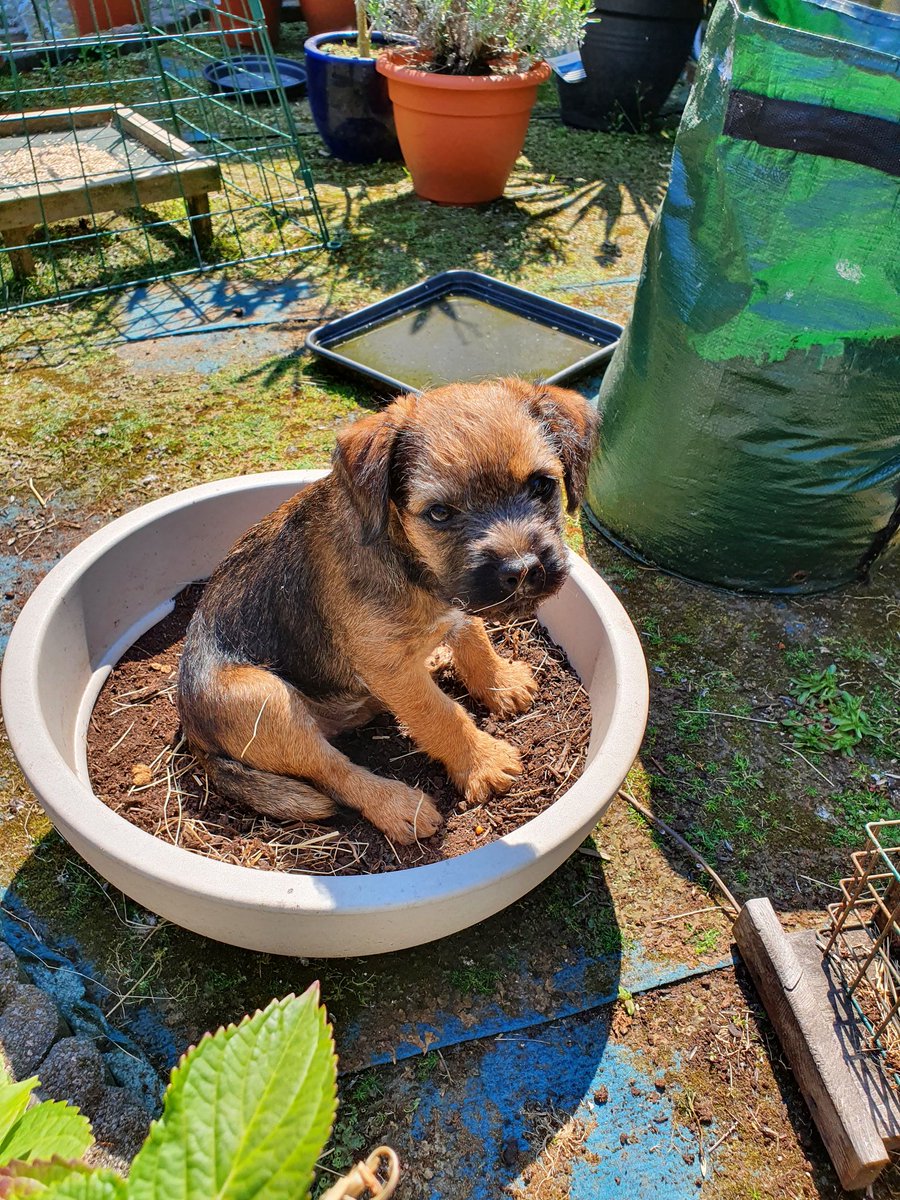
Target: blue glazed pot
{"points": [[350, 103]]}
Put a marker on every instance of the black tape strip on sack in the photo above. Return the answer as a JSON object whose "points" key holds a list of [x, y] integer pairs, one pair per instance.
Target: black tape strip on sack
{"points": [[814, 129]]}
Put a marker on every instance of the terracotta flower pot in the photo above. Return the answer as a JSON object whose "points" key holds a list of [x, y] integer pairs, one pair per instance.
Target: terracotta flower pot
{"points": [[325, 16], [460, 134], [245, 35], [91, 16]]}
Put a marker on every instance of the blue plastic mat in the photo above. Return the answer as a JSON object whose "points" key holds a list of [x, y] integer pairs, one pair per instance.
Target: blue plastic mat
{"points": [[203, 306]]}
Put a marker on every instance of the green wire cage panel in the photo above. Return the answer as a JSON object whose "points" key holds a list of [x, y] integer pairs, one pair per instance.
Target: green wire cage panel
{"points": [[120, 161]]}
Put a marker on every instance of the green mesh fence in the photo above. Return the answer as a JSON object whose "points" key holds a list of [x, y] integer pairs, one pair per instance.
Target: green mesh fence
{"points": [[119, 161]]}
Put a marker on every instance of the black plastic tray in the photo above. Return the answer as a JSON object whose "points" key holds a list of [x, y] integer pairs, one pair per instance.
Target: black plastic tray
{"points": [[250, 77], [481, 328]]}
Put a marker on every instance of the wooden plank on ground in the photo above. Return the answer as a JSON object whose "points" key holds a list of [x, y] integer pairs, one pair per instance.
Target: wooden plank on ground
{"points": [[81, 117], [153, 136], [836, 1101], [868, 1068]]}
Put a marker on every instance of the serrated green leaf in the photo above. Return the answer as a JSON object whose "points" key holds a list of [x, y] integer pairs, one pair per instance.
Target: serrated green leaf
{"points": [[59, 1180], [247, 1113], [14, 1099], [47, 1130], [99, 1185], [26, 1179]]}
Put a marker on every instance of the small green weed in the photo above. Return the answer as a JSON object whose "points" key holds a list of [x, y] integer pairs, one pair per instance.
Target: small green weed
{"points": [[736, 809], [358, 1122], [817, 686], [426, 1066], [220, 984], [352, 986], [797, 658], [651, 630], [627, 574], [626, 999], [856, 651], [855, 809], [690, 726], [474, 980], [705, 941], [591, 921], [742, 775], [366, 1087], [826, 717]]}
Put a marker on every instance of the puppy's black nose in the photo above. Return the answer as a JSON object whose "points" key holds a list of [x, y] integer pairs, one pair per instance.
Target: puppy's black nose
{"points": [[519, 573]]}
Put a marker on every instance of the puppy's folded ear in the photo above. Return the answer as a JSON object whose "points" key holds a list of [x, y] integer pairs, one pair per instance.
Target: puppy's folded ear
{"points": [[365, 461], [571, 426]]}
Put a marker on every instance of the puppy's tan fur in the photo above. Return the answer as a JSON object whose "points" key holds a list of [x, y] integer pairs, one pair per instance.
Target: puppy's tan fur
{"points": [[439, 508]]}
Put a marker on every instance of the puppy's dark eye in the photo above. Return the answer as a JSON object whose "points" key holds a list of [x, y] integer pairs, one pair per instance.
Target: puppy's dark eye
{"points": [[438, 514], [542, 487]]}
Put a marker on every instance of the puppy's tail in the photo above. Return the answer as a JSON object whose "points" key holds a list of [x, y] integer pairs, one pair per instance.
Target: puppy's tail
{"points": [[279, 796]]}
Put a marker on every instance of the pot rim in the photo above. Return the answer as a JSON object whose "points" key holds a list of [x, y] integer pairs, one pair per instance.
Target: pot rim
{"points": [[311, 45], [74, 806], [391, 64]]}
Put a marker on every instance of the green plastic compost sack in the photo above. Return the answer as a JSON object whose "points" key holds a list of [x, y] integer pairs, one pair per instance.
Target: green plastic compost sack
{"points": [[751, 432]]}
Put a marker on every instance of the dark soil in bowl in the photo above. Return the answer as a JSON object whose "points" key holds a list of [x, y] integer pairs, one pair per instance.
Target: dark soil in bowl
{"points": [[140, 767]]}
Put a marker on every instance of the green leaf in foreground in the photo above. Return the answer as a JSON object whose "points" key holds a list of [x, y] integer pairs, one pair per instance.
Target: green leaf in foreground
{"points": [[48, 1130], [59, 1180], [247, 1113], [14, 1099]]}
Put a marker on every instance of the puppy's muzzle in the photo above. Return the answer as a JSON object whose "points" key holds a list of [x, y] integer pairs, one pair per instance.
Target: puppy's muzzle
{"points": [[514, 581], [525, 573]]}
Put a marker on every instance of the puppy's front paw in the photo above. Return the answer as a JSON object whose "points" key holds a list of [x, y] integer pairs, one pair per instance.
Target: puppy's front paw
{"points": [[403, 814], [493, 771], [513, 690]]}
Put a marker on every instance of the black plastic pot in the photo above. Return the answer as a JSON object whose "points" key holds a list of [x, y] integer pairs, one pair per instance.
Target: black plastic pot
{"points": [[350, 103], [633, 53]]}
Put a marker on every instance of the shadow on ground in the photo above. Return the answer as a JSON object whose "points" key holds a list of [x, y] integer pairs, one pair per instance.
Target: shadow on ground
{"points": [[770, 804]]}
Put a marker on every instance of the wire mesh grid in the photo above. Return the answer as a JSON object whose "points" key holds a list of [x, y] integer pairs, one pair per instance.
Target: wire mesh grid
{"points": [[863, 940], [120, 162]]}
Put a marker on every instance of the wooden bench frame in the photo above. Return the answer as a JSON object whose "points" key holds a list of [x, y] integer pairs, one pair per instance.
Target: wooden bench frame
{"points": [[184, 174]]}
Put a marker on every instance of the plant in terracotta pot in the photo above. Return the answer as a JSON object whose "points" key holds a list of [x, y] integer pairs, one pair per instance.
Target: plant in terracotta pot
{"points": [[463, 94], [348, 99]]}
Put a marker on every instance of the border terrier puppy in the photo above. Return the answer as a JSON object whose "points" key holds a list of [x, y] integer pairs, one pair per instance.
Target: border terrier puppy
{"points": [[439, 509]]}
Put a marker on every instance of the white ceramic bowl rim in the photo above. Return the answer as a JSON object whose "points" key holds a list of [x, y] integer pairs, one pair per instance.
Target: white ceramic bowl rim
{"points": [[71, 803]]}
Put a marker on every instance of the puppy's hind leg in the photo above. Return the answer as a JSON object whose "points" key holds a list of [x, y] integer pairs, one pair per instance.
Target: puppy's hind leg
{"points": [[260, 739]]}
